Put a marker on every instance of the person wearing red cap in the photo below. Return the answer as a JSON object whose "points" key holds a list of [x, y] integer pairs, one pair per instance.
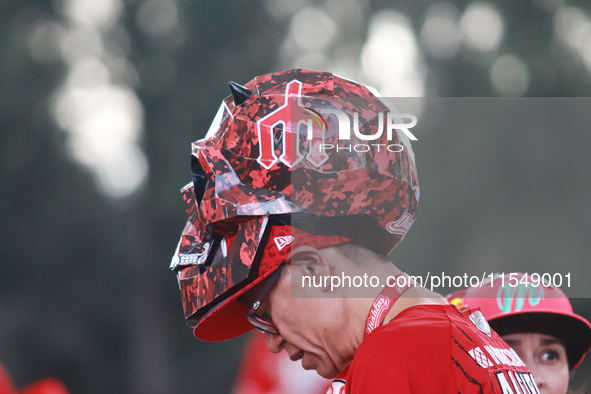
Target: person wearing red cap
{"points": [[278, 196], [538, 322]]}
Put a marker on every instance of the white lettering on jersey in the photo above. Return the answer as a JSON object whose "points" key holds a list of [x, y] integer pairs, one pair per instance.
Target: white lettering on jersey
{"points": [[531, 383], [521, 382], [518, 388], [509, 358], [520, 362], [527, 383], [504, 356], [479, 356], [493, 354], [504, 383]]}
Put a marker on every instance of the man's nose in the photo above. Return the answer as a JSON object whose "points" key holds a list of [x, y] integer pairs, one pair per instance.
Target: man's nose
{"points": [[274, 342]]}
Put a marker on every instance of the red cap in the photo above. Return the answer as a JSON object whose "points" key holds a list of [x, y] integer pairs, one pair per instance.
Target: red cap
{"points": [[527, 308], [228, 319]]}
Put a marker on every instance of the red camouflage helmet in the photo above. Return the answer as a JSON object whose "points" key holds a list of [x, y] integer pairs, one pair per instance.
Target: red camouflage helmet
{"points": [[255, 180], [528, 308]]}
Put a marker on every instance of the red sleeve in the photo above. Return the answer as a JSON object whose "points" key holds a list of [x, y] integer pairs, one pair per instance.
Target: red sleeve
{"points": [[410, 354]]}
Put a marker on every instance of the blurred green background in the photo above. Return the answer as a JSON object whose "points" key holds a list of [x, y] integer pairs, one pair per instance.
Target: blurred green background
{"points": [[100, 99]]}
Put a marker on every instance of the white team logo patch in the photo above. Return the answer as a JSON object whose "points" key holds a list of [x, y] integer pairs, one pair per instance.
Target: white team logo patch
{"points": [[337, 387], [480, 322], [282, 242]]}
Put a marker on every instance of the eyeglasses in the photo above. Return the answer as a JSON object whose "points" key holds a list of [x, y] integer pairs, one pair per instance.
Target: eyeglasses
{"points": [[257, 321]]}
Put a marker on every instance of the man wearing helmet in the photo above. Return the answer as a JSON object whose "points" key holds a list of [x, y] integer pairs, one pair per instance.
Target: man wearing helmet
{"points": [[270, 204]]}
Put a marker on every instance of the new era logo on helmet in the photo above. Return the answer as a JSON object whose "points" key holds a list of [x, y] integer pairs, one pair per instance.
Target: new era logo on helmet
{"points": [[282, 242]]}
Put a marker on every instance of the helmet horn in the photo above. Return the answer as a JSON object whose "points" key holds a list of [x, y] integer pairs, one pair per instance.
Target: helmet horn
{"points": [[239, 93]]}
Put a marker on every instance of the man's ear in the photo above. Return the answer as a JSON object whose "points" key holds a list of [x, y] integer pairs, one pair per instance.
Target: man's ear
{"points": [[308, 262]]}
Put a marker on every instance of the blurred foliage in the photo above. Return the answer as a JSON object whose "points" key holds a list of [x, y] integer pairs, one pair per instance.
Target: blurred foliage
{"points": [[85, 292]]}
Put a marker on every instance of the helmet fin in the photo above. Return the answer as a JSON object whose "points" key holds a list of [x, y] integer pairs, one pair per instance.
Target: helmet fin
{"points": [[239, 93]]}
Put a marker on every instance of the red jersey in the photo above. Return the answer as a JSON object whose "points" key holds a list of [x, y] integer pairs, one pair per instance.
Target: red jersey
{"points": [[435, 349]]}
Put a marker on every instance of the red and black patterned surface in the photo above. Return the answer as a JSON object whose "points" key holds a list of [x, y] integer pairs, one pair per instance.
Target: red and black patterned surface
{"points": [[254, 164]]}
